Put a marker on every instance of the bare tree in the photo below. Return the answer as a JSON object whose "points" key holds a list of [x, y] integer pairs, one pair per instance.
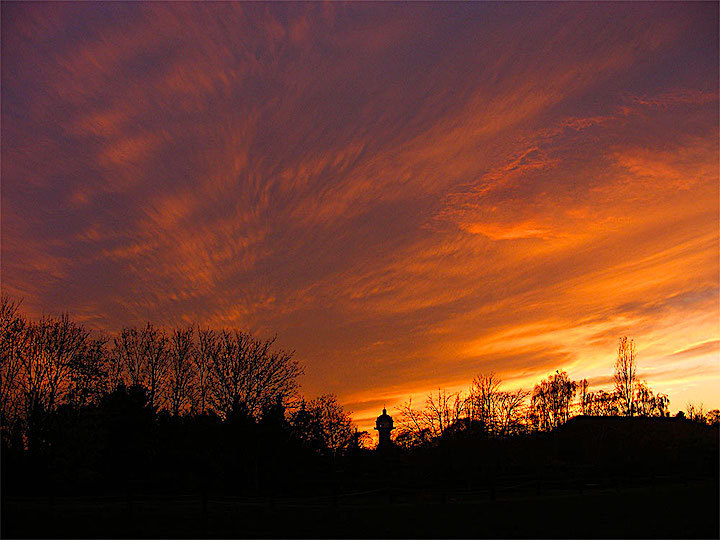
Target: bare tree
{"points": [[510, 412], [181, 352], [443, 410], [551, 400], [602, 403], [116, 365], [52, 356], [335, 423], [155, 349], [45, 364], [88, 379], [500, 412], [648, 404], [13, 340], [227, 372], [541, 407], [361, 440], [62, 344], [413, 430], [696, 413], [206, 356], [270, 375], [483, 401], [625, 376], [323, 424], [246, 371], [33, 388], [129, 359], [584, 396], [141, 357]]}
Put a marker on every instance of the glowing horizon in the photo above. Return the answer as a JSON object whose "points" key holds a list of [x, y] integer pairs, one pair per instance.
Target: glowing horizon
{"points": [[407, 194]]}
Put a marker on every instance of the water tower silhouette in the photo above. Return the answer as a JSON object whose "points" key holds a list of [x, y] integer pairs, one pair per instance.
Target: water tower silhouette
{"points": [[384, 425]]}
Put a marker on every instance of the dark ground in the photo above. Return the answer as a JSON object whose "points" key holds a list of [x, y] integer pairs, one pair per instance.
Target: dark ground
{"points": [[590, 478], [672, 508]]}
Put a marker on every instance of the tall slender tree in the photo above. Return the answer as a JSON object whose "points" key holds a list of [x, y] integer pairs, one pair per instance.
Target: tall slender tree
{"points": [[625, 376]]}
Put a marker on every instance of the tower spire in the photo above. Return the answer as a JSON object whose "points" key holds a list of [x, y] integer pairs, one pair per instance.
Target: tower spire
{"points": [[384, 425]]}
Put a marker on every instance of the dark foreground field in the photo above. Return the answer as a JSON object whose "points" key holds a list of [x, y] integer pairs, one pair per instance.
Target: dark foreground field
{"points": [[590, 478], [673, 508]]}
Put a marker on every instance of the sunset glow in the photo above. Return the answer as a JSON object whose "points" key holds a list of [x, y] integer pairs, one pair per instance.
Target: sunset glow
{"points": [[407, 194]]}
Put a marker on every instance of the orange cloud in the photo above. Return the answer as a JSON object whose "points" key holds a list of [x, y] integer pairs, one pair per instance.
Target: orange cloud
{"points": [[408, 195]]}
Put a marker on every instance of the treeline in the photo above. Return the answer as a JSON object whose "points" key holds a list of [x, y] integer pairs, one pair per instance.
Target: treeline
{"points": [[200, 409], [486, 409], [181, 409]]}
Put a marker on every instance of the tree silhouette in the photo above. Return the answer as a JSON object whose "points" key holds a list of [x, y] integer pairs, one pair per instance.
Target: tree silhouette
{"points": [[551, 400], [141, 359], [13, 340], [510, 412], [584, 396], [245, 370], [483, 400], [54, 361], [695, 413], [207, 349], [648, 404], [602, 403], [443, 409], [181, 370], [323, 425], [501, 412], [412, 422], [155, 349], [625, 376]]}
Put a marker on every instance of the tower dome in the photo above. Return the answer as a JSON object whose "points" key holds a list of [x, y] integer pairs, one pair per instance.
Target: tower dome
{"points": [[384, 425]]}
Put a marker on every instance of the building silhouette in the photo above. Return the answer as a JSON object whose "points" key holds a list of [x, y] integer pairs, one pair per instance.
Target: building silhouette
{"points": [[384, 425]]}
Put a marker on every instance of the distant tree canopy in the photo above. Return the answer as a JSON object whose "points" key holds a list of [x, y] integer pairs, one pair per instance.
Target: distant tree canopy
{"points": [[196, 372], [190, 371], [486, 408]]}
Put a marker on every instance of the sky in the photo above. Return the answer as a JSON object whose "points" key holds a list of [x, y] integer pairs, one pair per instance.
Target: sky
{"points": [[407, 194]]}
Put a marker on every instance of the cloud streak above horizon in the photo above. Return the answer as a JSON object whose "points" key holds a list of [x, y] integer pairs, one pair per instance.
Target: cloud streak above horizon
{"points": [[408, 194]]}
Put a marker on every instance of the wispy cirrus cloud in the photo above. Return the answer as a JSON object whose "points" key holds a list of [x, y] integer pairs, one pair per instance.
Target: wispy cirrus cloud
{"points": [[407, 189]]}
